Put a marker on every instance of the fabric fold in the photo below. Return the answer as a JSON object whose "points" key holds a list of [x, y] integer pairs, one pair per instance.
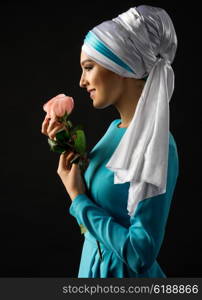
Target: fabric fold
{"points": [[141, 157]]}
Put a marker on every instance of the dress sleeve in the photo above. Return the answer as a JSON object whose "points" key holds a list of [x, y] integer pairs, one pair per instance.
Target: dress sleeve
{"points": [[137, 246]]}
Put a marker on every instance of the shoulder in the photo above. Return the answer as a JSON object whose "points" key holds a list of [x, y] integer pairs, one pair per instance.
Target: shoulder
{"points": [[172, 145], [172, 142]]}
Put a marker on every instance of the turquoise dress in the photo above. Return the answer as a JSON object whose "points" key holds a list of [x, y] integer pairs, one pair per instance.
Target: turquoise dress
{"points": [[129, 245]]}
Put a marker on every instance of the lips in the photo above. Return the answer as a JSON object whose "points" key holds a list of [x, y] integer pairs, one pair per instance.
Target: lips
{"points": [[92, 92]]}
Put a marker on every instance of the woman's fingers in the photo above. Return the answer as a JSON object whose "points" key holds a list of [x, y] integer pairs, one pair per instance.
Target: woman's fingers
{"points": [[51, 126], [53, 122], [45, 126], [69, 157], [48, 124], [64, 162], [53, 132]]}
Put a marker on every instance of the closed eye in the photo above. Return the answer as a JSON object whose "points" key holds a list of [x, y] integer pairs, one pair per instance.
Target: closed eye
{"points": [[88, 68]]}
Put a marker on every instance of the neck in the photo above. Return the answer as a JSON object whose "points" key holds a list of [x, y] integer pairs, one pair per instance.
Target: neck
{"points": [[128, 101]]}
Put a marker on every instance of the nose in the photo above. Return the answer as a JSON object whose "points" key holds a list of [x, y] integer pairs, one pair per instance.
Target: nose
{"points": [[83, 81]]}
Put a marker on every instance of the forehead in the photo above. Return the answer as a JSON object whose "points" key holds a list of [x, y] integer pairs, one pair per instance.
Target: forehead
{"points": [[84, 58]]}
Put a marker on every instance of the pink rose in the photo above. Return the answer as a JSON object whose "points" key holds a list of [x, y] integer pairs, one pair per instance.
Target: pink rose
{"points": [[59, 106]]}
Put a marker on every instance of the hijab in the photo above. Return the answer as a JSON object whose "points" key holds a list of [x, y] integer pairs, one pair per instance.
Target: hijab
{"points": [[139, 43]]}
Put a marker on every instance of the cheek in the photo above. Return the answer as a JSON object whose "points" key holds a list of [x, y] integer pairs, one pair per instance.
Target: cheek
{"points": [[108, 86], [114, 88]]}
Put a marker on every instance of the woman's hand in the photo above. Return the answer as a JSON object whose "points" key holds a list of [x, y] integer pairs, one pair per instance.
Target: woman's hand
{"points": [[51, 126], [70, 175]]}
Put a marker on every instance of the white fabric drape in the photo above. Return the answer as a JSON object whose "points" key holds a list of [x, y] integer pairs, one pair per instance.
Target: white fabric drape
{"points": [[141, 157]]}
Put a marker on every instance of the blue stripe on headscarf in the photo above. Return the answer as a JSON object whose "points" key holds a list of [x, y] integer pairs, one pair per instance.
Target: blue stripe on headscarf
{"points": [[94, 42]]}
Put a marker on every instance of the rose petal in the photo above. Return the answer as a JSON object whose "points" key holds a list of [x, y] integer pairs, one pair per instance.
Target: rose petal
{"points": [[59, 106]]}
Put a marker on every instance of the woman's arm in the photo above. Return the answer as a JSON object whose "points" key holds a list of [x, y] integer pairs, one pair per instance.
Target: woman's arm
{"points": [[138, 245]]}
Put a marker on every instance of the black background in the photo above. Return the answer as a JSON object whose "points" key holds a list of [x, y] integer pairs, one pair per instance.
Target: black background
{"points": [[40, 52]]}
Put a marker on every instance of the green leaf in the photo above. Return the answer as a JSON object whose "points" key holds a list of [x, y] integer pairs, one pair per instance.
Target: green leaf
{"points": [[55, 147], [52, 143], [70, 123], [80, 142], [62, 135], [75, 128]]}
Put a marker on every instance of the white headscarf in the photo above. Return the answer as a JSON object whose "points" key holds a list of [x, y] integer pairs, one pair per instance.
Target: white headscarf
{"points": [[140, 42]]}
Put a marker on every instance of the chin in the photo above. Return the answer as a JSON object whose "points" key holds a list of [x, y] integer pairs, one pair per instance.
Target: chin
{"points": [[100, 104]]}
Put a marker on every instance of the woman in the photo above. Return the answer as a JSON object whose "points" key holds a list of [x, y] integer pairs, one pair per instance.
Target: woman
{"points": [[125, 195]]}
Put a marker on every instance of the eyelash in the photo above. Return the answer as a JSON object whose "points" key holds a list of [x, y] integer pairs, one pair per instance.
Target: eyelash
{"points": [[88, 68]]}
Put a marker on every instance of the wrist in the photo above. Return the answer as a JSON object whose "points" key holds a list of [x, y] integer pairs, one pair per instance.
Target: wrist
{"points": [[74, 195]]}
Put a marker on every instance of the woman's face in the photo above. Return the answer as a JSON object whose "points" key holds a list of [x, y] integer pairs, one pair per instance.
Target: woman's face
{"points": [[105, 87]]}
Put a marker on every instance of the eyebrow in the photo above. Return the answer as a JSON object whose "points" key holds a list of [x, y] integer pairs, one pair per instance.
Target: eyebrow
{"points": [[85, 60]]}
